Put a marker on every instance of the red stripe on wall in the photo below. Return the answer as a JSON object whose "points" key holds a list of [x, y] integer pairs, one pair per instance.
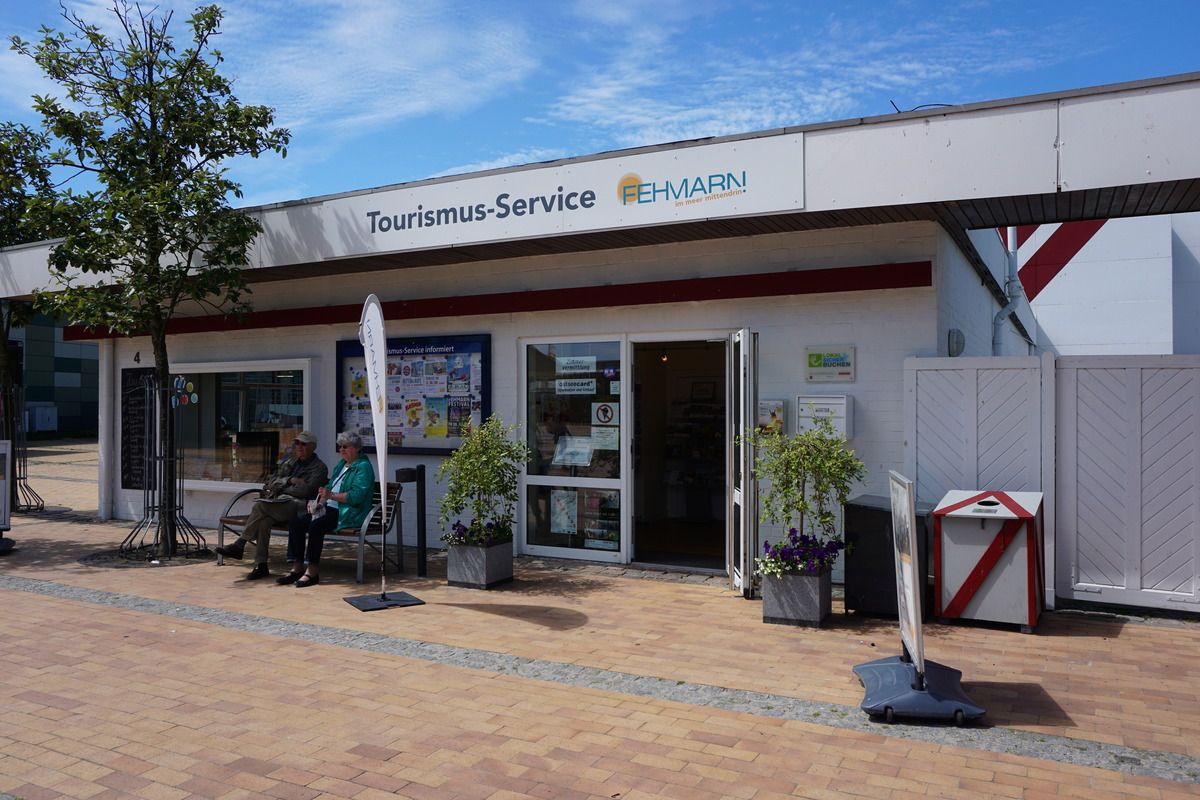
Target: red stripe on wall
{"points": [[1049, 260], [763, 284], [1023, 234]]}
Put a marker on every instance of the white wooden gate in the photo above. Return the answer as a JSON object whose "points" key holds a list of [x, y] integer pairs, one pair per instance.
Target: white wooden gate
{"points": [[1129, 480], [1120, 435], [982, 423]]}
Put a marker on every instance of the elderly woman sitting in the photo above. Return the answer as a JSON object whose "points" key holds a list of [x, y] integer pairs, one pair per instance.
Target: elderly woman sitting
{"points": [[344, 502]]}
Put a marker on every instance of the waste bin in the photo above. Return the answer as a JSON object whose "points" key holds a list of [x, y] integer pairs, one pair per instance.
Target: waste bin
{"points": [[988, 557], [870, 580]]}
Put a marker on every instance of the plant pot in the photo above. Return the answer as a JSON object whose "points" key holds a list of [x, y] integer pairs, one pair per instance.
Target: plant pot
{"points": [[477, 567], [797, 599]]}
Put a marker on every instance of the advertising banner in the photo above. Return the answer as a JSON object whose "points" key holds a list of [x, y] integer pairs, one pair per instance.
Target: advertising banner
{"points": [[373, 335], [904, 540]]}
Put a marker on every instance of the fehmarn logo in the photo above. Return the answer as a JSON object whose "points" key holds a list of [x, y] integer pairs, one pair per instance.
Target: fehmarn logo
{"points": [[684, 191]]}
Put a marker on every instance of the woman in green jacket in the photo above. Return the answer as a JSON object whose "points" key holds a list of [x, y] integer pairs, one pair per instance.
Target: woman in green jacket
{"points": [[344, 502]]}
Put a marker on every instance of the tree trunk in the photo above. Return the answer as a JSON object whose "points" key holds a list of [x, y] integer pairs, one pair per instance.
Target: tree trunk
{"points": [[168, 539]]}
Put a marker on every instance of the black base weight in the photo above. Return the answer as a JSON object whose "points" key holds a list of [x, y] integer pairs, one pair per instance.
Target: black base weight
{"points": [[892, 692], [378, 602]]}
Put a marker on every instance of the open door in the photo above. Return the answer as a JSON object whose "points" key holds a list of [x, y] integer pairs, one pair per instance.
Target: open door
{"points": [[742, 405]]}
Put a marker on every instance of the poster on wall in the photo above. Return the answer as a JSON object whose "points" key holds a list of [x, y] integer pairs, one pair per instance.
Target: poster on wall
{"points": [[564, 511], [770, 416], [437, 387], [601, 519]]}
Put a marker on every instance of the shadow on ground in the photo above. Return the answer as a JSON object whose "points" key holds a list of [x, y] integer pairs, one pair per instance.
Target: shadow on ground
{"points": [[1011, 704], [553, 618]]}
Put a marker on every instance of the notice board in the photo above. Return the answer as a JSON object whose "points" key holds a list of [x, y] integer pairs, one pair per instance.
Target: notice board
{"points": [[133, 426], [437, 386]]}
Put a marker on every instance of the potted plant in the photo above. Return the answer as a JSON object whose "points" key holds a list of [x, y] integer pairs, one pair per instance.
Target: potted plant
{"points": [[809, 476], [481, 495]]}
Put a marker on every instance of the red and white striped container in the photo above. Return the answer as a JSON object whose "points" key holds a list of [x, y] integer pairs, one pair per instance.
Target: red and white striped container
{"points": [[988, 557]]}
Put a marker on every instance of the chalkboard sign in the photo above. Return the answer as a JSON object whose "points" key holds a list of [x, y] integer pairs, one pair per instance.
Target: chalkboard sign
{"points": [[133, 427]]}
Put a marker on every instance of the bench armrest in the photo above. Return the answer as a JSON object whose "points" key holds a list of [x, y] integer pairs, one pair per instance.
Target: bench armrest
{"points": [[237, 498]]}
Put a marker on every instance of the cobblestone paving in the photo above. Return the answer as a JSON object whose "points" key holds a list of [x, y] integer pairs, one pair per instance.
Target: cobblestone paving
{"points": [[1170, 766]]}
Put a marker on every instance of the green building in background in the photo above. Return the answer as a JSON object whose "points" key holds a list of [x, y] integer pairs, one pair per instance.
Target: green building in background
{"points": [[61, 380]]}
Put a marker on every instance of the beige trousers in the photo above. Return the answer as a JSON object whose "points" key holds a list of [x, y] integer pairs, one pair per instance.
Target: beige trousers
{"points": [[263, 515]]}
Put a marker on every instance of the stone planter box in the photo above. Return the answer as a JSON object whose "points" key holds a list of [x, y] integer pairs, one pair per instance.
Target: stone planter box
{"points": [[797, 599], [475, 567]]}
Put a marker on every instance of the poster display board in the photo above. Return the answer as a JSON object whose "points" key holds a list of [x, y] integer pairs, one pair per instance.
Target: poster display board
{"points": [[6, 477], [904, 542], [133, 426], [436, 387]]}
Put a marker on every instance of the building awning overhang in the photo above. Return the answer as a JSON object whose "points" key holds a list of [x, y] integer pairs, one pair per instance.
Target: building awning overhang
{"points": [[1109, 151]]}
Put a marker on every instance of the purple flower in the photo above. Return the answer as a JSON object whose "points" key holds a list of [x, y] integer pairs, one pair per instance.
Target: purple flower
{"points": [[802, 553]]}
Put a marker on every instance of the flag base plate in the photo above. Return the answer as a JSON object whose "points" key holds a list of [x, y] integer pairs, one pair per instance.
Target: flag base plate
{"points": [[378, 602]]}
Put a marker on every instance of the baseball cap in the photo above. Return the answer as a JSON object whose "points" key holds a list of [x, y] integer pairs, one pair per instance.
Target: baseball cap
{"points": [[306, 437]]}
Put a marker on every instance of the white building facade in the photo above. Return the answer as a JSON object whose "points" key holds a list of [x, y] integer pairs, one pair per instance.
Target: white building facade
{"points": [[610, 304]]}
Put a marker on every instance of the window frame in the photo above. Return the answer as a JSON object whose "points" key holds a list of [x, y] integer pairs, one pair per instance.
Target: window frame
{"points": [[257, 365]]}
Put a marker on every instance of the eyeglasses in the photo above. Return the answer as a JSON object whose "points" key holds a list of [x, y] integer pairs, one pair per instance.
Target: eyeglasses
{"points": [[344, 446]]}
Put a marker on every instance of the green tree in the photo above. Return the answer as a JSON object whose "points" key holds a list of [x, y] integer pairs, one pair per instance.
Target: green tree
{"points": [[483, 482], [152, 234], [23, 177], [808, 476]]}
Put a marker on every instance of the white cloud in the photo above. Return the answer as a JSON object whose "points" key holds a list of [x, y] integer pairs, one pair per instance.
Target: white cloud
{"points": [[530, 156], [658, 86], [341, 67], [20, 79]]}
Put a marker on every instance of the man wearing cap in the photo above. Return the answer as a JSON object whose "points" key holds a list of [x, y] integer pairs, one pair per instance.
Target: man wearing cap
{"points": [[284, 496]]}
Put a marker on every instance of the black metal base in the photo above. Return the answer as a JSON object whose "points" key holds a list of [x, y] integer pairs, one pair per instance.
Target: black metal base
{"points": [[6, 545], [892, 691], [378, 602]]}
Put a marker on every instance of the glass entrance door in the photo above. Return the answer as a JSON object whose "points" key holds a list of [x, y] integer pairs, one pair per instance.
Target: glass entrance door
{"points": [[742, 535], [575, 430]]}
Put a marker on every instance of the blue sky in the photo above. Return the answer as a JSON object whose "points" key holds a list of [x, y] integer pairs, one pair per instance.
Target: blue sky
{"points": [[379, 91]]}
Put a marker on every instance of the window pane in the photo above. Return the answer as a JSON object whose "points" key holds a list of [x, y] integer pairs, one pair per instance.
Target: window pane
{"points": [[561, 516], [574, 411], [235, 426]]}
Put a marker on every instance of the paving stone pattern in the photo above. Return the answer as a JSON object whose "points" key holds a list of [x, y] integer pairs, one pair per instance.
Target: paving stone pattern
{"points": [[576, 681]]}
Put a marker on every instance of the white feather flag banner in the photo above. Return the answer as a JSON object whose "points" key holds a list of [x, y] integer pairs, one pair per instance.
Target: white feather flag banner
{"points": [[372, 334]]}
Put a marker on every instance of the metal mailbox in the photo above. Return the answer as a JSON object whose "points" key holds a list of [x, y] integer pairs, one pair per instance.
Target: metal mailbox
{"points": [[837, 408], [988, 557]]}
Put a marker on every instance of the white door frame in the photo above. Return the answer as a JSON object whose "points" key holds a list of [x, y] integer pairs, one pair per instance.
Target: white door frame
{"points": [[621, 483], [742, 501]]}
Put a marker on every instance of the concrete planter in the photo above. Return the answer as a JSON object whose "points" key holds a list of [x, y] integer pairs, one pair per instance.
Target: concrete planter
{"points": [[475, 567], [797, 599]]}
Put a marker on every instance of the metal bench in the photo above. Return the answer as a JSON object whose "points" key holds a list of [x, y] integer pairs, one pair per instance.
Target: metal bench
{"points": [[374, 531]]}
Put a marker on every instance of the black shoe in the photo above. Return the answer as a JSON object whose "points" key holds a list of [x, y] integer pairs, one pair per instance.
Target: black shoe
{"points": [[291, 577], [234, 550], [308, 581], [259, 571]]}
